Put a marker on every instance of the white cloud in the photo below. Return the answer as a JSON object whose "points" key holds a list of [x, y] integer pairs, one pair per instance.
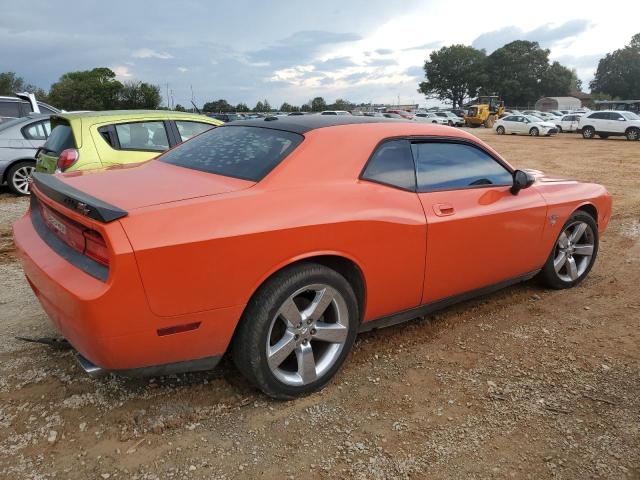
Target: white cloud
{"points": [[149, 53], [183, 69], [122, 72]]}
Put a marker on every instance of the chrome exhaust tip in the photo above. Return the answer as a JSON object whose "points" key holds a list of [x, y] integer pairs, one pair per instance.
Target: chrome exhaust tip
{"points": [[92, 370]]}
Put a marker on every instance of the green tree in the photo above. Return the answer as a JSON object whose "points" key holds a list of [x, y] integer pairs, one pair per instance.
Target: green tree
{"points": [[180, 108], [285, 107], [305, 107], [557, 81], [341, 104], [135, 95], [10, 83], [242, 107], [453, 74], [219, 106], [95, 89], [516, 72], [262, 107], [318, 104], [618, 73]]}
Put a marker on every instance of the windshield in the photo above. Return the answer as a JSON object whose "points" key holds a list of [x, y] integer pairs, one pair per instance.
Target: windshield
{"points": [[630, 116], [248, 153]]}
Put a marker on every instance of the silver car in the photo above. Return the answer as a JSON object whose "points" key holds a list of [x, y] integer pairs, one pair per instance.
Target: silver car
{"points": [[19, 140]]}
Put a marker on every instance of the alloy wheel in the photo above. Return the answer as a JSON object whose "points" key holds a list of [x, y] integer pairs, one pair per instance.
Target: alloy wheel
{"points": [[574, 251], [307, 334], [22, 178]]}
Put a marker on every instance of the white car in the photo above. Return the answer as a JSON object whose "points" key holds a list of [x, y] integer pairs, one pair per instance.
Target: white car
{"points": [[568, 123], [431, 118], [609, 123], [524, 124], [335, 112], [452, 119]]}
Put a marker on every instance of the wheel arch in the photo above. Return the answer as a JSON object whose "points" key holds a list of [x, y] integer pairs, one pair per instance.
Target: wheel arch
{"points": [[11, 164], [589, 208], [344, 264]]}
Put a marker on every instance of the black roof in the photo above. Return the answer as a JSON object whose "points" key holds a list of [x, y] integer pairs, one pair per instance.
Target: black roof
{"points": [[304, 123]]}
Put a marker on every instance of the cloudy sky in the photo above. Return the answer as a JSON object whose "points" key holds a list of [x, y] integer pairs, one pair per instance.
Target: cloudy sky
{"points": [[247, 50]]}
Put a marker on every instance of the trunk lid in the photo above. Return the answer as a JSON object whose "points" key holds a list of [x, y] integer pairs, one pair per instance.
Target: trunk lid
{"points": [[140, 185]]}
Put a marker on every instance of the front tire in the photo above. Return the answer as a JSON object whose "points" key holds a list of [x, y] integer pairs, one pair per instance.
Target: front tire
{"points": [[19, 177], [573, 254], [633, 134], [534, 132], [588, 132], [296, 331], [500, 130]]}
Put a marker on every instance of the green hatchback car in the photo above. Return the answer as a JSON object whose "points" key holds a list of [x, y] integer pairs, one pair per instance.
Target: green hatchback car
{"points": [[91, 140]]}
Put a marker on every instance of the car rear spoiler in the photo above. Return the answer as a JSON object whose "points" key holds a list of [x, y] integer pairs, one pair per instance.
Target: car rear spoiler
{"points": [[75, 199]]}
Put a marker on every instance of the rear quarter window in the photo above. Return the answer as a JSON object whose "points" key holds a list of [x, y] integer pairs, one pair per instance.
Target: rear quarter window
{"points": [[248, 153]]}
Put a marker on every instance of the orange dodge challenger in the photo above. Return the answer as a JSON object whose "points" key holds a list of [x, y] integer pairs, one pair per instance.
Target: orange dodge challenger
{"points": [[279, 239]]}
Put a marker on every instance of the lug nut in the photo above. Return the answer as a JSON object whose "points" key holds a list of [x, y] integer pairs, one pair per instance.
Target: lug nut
{"points": [[305, 341], [309, 321], [313, 331], [296, 336]]}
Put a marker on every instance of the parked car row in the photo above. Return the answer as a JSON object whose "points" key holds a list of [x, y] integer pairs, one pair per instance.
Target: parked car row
{"points": [[604, 124]]}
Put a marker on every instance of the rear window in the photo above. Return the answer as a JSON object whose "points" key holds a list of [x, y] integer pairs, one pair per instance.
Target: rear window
{"points": [[248, 153], [60, 139]]}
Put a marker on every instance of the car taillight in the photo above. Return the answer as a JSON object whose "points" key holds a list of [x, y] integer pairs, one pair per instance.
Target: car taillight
{"points": [[67, 158], [96, 247], [77, 236]]}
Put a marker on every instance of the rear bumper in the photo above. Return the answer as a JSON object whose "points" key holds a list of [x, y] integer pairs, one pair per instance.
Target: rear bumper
{"points": [[109, 322]]}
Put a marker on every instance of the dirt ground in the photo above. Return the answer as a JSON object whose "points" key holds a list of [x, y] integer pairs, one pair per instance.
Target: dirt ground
{"points": [[525, 383]]}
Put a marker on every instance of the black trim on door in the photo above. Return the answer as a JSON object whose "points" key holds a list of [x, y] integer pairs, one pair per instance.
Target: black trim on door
{"points": [[429, 308]]}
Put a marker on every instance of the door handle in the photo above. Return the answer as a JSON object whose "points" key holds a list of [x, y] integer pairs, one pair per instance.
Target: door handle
{"points": [[443, 209]]}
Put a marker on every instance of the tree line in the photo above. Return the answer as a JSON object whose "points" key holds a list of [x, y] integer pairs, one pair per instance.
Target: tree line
{"points": [[96, 89], [317, 104], [520, 73]]}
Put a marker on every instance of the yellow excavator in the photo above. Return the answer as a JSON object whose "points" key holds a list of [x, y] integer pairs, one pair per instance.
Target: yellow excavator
{"points": [[485, 111]]}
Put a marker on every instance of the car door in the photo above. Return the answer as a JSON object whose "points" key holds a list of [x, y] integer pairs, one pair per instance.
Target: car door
{"points": [[478, 232], [617, 123], [517, 125]]}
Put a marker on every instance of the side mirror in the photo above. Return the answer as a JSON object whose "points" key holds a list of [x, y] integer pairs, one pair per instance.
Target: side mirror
{"points": [[521, 180]]}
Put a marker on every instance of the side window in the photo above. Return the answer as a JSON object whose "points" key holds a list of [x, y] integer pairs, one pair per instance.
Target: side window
{"points": [[190, 129], [392, 164], [616, 116], [444, 166], [45, 109], [34, 131], [9, 109], [142, 136], [599, 116]]}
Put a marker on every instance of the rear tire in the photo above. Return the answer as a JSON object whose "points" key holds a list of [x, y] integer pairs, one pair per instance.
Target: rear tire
{"points": [[588, 132], [19, 177], [633, 134], [500, 130], [573, 253], [287, 347]]}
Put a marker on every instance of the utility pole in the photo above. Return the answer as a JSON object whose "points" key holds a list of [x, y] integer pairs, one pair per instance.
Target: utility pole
{"points": [[167, 95]]}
